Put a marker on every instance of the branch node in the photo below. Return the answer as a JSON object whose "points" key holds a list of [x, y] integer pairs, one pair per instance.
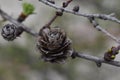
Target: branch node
{"points": [[98, 63], [76, 8]]}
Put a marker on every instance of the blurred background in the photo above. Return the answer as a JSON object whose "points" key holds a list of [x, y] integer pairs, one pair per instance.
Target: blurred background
{"points": [[19, 60]]}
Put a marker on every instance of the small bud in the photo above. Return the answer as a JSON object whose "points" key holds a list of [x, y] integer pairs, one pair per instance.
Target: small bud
{"points": [[65, 4], [76, 8], [28, 9], [109, 57], [51, 1], [111, 54]]}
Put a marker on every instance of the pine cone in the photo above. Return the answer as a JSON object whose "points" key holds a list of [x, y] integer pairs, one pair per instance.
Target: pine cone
{"points": [[10, 32], [54, 45]]}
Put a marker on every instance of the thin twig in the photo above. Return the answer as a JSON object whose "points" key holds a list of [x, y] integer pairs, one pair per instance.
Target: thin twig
{"points": [[100, 16], [96, 59], [58, 13], [66, 3], [51, 21], [9, 18], [99, 28]]}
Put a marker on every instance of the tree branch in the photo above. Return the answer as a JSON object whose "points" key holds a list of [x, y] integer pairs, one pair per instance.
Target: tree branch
{"points": [[77, 54], [99, 28], [96, 59], [91, 17], [18, 24], [109, 17]]}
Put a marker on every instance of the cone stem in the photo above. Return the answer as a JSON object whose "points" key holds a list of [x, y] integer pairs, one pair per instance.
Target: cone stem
{"points": [[51, 21], [21, 17]]}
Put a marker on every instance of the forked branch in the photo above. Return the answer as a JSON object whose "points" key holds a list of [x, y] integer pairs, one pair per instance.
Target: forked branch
{"points": [[91, 18], [18, 24], [109, 17]]}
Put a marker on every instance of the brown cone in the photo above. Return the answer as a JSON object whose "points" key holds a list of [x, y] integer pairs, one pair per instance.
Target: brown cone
{"points": [[54, 45]]}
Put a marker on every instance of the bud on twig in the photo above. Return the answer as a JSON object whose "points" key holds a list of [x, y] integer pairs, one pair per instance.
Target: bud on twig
{"points": [[28, 9], [111, 54], [51, 1], [65, 4], [22, 17], [76, 8], [59, 13]]}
